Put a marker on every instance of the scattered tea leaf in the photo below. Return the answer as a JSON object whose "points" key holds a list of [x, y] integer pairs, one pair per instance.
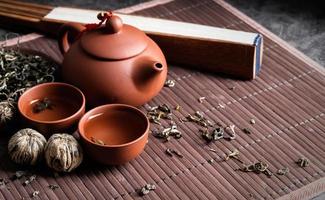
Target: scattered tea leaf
{"points": [[159, 112], [178, 108], [29, 180], [231, 131], [232, 154], [247, 130], [35, 194], [232, 87], [201, 99], [168, 132], [42, 105], [252, 121], [3, 183], [146, 189], [303, 162], [169, 83], [171, 152], [211, 161], [258, 167], [53, 187], [283, 171], [97, 141], [199, 119], [221, 105], [213, 150], [214, 135]]}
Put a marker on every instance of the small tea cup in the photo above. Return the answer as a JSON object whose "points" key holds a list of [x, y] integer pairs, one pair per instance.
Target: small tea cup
{"points": [[114, 134], [52, 107]]}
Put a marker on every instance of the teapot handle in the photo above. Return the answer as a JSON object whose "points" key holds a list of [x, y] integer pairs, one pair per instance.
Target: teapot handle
{"points": [[68, 34]]}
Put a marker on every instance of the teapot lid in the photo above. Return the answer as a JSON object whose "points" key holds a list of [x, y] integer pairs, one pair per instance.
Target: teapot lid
{"points": [[114, 40]]}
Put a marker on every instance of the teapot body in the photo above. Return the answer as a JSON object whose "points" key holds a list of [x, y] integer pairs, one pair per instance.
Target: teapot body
{"points": [[134, 80]]}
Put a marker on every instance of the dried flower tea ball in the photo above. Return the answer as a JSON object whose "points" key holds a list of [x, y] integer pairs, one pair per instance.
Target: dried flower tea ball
{"points": [[6, 111], [63, 152], [26, 147]]}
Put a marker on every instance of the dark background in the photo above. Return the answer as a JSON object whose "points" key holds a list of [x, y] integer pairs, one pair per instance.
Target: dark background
{"points": [[300, 23]]}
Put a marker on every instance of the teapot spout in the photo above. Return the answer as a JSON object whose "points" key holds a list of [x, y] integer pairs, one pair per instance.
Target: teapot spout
{"points": [[157, 66]]}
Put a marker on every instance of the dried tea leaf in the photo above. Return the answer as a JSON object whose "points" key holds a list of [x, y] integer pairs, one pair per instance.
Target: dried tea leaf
{"points": [[169, 132], [35, 194], [29, 180], [283, 171], [172, 152], [252, 121], [303, 162], [42, 105], [18, 72], [97, 141], [201, 99], [169, 83], [53, 187], [3, 183], [258, 167], [247, 130], [146, 189]]}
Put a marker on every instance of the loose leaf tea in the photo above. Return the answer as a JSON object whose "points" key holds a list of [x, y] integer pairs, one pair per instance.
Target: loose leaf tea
{"points": [[252, 121], [167, 133], [146, 189], [178, 108], [214, 135], [3, 183], [42, 105], [247, 130], [53, 187], [303, 162], [283, 171], [18, 72], [29, 180], [97, 141], [199, 119], [35, 194], [231, 131], [258, 167], [201, 99], [233, 154], [171, 152], [169, 83], [159, 112]]}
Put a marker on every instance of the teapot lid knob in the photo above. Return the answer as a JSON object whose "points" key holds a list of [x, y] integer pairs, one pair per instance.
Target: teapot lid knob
{"points": [[113, 24]]}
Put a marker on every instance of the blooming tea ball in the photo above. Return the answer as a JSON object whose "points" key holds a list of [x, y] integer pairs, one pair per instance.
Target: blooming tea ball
{"points": [[26, 147], [63, 152]]}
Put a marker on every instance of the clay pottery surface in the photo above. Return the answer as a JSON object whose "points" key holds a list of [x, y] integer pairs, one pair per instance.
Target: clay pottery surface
{"points": [[114, 134], [113, 63], [52, 107]]}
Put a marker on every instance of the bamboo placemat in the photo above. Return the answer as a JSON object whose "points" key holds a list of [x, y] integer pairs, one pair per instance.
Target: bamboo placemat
{"points": [[287, 101]]}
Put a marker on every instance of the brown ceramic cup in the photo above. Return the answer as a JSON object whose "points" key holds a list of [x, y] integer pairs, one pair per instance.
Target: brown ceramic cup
{"points": [[114, 134], [52, 107]]}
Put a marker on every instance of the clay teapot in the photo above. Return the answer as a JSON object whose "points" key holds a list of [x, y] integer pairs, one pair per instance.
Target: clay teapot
{"points": [[112, 62]]}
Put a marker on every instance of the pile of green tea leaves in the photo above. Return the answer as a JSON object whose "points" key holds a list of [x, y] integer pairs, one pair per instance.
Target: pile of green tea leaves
{"points": [[18, 72]]}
